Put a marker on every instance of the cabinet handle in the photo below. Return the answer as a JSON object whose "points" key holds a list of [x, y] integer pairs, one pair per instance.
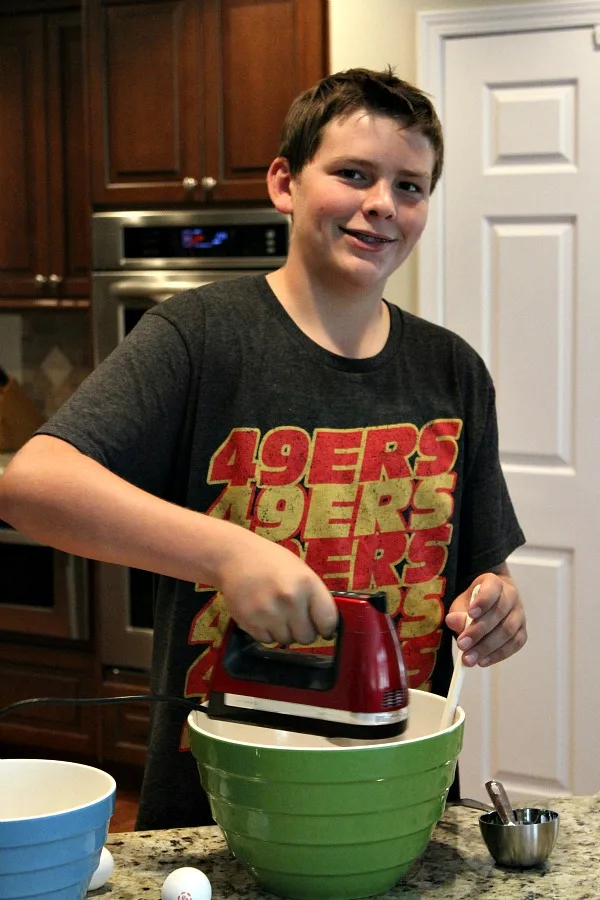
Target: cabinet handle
{"points": [[41, 279], [190, 183], [208, 183], [55, 279]]}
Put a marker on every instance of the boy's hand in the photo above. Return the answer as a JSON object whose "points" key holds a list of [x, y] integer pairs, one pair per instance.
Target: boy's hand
{"points": [[498, 628], [273, 595]]}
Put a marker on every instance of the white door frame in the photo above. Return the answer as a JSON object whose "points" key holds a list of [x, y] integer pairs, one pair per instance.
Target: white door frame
{"points": [[433, 30]]}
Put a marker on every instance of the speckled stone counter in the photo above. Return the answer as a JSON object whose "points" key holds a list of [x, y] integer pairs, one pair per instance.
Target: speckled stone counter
{"points": [[455, 865]]}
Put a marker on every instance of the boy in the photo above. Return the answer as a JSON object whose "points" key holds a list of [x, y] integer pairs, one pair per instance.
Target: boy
{"points": [[302, 408]]}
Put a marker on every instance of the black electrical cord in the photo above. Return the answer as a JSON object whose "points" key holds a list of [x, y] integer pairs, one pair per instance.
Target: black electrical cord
{"points": [[91, 701]]}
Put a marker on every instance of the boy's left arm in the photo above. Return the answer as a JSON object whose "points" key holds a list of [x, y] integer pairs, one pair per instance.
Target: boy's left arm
{"points": [[498, 628]]}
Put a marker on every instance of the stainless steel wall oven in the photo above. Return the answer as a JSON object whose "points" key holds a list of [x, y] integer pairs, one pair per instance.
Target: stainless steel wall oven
{"points": [[140, 259]]}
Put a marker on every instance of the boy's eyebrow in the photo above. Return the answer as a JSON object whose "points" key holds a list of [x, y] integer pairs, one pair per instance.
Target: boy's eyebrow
{"points": [[366, 163], [414, 173]]}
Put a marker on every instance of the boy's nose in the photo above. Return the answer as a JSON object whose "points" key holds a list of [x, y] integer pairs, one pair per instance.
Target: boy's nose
{"points": [[380, 200]]}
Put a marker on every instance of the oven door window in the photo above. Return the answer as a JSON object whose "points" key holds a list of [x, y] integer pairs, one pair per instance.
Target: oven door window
{"points": [[42, 591], [27, 576]]}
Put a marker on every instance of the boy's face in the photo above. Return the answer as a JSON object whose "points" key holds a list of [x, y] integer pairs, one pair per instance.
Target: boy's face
{"points": [[360, 205]]}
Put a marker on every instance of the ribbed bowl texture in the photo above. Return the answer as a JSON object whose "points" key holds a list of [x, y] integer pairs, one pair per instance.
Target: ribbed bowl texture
{"points": [[318, 818], [54, 819]]}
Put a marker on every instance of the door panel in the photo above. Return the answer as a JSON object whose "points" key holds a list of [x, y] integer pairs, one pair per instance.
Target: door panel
{"points": [[23, 245], [267, 49], [69, 207], [145, 113], [529, 695], [521, 296]]}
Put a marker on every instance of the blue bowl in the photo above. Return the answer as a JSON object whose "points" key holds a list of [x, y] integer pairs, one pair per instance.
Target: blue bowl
{"points": [[54, 820]]}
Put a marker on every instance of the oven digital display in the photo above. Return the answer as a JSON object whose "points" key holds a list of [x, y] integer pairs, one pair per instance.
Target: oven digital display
{"points": [[206, 241], [203, 238]]}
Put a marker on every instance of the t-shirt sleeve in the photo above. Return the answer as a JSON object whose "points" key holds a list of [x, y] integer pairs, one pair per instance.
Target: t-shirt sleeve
{"points": [[129, 414], [488, 527]]}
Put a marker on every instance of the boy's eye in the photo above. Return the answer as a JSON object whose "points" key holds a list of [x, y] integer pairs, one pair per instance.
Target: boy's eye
{"points": [[410, 187], [350, 174]]}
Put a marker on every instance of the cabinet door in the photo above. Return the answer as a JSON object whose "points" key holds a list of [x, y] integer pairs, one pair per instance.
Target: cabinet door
{"points": [[69, 204], [31, 670], [145, 116], [125, 727], [24, 261], [258, 55]]}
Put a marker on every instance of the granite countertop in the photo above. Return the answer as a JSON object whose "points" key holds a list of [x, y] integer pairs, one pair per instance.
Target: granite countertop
{"points": [[456, 864]]}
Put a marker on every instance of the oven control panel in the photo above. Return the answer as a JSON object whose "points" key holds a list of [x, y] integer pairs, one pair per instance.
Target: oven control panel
{"points": [[199, 239], [172, 242]]}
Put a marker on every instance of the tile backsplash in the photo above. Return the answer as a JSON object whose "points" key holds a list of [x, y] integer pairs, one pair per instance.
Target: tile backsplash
{"points": [[48, 351]]}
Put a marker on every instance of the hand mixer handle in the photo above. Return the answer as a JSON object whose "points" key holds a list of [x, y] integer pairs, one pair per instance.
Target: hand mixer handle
{"points": [[245, 658]]}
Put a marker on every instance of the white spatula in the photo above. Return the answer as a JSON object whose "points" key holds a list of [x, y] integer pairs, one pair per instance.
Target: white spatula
{"points": [[457, 680]]}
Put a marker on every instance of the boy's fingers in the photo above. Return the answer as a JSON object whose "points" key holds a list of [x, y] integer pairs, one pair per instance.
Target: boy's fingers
{"points": [[323, 613], [301, 629]]}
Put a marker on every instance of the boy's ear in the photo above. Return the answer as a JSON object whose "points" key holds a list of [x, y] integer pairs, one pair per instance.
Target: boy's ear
{"points": [[279, 180]]}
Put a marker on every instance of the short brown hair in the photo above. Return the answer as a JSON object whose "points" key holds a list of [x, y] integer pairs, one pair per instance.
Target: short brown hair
{"points": [[346, 92]]}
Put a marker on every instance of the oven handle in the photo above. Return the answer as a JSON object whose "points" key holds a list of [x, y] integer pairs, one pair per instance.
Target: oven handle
{"points": [[155, 291], [78, 602]]}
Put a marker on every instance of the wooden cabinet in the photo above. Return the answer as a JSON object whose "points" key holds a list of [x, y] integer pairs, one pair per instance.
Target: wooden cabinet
{"points": [[187, 97], [124, 103], [28, 670], [114, 733], [125, 726], [44, 197], [258, 56]]}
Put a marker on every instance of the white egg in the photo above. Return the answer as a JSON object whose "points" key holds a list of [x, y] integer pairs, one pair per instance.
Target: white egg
{"points": [[186, 883], [104, 870]]}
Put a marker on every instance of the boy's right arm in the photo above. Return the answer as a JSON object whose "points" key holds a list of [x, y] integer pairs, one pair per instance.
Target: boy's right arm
{"points": [[67, 500]]}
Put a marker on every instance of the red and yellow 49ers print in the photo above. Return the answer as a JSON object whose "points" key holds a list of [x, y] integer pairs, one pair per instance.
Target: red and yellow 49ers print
{"points": [[365, 508]]}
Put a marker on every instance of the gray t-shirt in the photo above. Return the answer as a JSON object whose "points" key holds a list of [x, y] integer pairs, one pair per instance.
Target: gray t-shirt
{"points": [[381, 472]]}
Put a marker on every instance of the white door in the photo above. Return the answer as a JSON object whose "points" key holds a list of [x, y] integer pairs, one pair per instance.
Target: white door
{"points": [[518, 233]]}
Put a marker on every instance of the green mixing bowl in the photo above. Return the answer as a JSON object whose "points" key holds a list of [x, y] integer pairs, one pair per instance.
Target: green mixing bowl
{"points": [[318, 818]]}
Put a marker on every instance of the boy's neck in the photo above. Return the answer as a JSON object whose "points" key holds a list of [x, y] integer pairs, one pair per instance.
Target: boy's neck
{"points": [[354, 326]]}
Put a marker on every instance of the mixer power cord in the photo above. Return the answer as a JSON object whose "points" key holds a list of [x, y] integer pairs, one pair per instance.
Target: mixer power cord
{"points": [[98, 701]]}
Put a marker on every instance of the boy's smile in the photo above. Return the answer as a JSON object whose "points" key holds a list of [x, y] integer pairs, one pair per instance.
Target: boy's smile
{"points": [[360, 205]]}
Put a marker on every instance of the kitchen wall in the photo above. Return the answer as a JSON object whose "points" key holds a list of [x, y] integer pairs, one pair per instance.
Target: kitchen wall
{"points": [[377, 33]]}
